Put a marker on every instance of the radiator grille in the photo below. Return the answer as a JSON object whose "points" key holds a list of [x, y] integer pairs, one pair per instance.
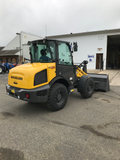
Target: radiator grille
{"points": [[40, 77]]}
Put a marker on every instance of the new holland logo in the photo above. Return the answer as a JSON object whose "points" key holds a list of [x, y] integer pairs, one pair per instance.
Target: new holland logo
{"points": [[18, 78]]}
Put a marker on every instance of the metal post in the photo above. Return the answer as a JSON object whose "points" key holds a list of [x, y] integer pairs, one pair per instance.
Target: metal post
{"points": [[20, 45]]}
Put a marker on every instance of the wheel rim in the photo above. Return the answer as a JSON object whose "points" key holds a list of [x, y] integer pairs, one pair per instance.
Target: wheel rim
{"points": [[59, 97], [0, 70], [90, 87]]}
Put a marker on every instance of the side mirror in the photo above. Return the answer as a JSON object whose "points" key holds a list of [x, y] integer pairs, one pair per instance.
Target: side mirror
{"points": [[28, 43], [75, 46], [85, 62]]}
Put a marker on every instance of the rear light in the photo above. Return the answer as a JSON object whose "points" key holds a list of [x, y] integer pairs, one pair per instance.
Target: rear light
{"points": [[27, 95]]}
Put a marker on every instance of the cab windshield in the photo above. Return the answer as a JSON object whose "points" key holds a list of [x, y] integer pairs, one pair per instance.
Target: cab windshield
{"points": [[43, 51]]}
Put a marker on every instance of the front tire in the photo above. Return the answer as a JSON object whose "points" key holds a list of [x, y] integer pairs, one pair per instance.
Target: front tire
{"points": [[57, 97], [88, 88]]}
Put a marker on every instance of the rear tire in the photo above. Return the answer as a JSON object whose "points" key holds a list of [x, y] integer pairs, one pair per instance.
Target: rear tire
{"points": [[57, 97], [88, 88], [0, 70]]}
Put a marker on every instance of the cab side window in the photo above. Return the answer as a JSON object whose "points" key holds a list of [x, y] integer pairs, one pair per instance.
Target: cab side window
{"points": [[64, 54]]}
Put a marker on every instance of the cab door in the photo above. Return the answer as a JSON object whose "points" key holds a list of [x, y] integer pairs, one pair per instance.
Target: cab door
{"points": [[65, 66]]}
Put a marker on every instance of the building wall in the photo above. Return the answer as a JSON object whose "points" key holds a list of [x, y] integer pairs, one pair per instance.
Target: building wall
{"points": [[90, 44], [9, 59]]}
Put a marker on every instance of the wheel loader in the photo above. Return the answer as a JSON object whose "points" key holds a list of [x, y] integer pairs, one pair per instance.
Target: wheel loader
{"points": [[52, 75]]}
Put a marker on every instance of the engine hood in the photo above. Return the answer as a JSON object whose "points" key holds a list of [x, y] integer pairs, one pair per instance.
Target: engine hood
{"points": [[23, 76], [29, 67]]}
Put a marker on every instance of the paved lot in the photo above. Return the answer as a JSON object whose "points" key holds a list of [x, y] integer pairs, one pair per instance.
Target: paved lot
{"points": [[84, 130]]}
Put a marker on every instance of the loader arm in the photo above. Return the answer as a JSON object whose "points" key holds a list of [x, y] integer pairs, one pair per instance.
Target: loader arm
{"points": [[80, 72]]}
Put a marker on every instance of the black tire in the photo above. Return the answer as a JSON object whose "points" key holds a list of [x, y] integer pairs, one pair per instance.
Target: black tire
{"points": [[88, 88], [5, 69], [0, 70], [57, 97]]}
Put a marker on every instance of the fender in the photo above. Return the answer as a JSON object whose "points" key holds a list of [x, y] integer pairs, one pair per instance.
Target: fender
{"points": [[59, 79], [82, 82]]}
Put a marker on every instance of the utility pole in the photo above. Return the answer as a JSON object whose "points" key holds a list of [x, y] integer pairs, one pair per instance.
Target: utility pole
{"points": [[20, 45]]}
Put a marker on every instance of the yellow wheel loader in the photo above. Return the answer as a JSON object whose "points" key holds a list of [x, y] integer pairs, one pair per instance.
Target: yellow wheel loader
{"points": [[50, 76]]}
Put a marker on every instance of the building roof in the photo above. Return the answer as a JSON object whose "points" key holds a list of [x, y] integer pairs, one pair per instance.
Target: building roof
{"points": [[8, 52], [5, 51], [30, 34], [1, 48], [86, 33]]}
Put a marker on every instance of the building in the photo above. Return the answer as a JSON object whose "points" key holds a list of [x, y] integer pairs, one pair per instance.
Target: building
{"points": [[17, 50], [100, 48]]}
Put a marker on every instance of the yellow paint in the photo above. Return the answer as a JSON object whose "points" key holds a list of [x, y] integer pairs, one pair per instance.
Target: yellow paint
{"points": [[80, 72], [51, 71], [12, 91], [23, 76], [72, 90], [27, 72]]}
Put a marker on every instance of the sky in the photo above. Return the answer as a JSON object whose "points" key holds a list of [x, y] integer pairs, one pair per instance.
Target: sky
{"points": [[55, 17]]}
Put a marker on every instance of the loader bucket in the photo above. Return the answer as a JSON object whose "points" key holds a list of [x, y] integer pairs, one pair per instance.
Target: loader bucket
{"points": [[101, 81]]}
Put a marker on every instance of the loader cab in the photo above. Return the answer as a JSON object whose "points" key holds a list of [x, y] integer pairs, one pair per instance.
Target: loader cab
{"points": [[58, 52], [43, 48]]}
